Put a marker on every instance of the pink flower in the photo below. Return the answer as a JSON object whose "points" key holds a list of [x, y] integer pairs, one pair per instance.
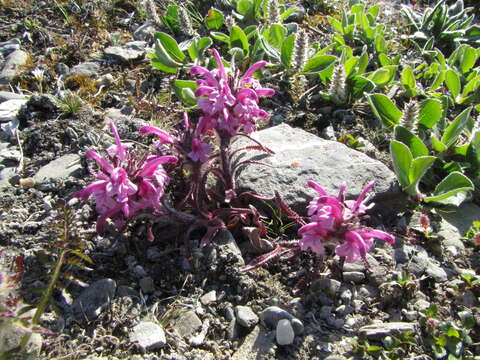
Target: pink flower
{"points": [[229, 103], [336, 220], [200, 151], [126, 184]]}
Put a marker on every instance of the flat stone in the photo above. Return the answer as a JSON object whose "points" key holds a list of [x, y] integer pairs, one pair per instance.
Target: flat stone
{"points": [[12, 65], [9, 46], [145, 32], [273, 314], [462, 217], [187, 324], [256, 345], [301, 156], [354, 266], [9, 109], [149, 335], [11, 337], [245, 316], [130, 52], [93, 300], [61, 168], [378, 331], [5, 175], [436, 272], [89, 68], [284, 333], [354, 277], [7, 95], [209, 298]]}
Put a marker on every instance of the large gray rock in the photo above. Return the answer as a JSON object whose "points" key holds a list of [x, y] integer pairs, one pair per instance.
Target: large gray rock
{"points": [[9, 46], [12, 335], [88, 68], [256, 345], [7, 95], [149, 335], [301, 156], [456, 223], [12, 65], [93, 300], [130, 52], [9, 109], [61, 168]]}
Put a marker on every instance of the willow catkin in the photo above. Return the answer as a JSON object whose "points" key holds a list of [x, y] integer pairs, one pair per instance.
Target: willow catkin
{"points": [[338, 85], [300, 51]]}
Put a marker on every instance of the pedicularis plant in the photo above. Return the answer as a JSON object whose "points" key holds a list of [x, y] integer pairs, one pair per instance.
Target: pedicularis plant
{"points": [[130, 185]]}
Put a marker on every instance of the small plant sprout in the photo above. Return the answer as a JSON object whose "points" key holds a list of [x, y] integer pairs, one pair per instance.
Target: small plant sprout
{"points": [[333, 221]]}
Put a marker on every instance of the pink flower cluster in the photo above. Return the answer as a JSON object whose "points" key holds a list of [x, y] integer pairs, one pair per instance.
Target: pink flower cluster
{"points": [[126, 183], [335, 220], [229, 103]]}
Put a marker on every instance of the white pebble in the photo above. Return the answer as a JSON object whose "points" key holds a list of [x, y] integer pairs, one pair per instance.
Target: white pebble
{"points": [[285, 334]]}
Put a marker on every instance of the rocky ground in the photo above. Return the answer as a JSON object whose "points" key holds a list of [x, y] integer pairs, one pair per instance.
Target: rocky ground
{"points": [[145, 300]]}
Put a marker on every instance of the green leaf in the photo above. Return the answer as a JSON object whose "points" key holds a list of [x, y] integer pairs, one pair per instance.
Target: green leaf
{"points": [[184, 89], [453, 131], [418, 168], [383, 76], [380, 44], [318, 63], [402, 160], [214, 19], [197, 49], [473, 153], [384, 109], [468, 321], [239, 39], [438, 81], [452, 80], [449, 187], [468, 59], [430, 112], [287, 51], [287, 13], [220, 36], [337, 25], [408, 78], [162, 61], [275, 35], [171, 46], [383, 60], [359, 85], [414, 143], [437, 145], [350, 65], [362, 63], [82, 256], [470, 86]]}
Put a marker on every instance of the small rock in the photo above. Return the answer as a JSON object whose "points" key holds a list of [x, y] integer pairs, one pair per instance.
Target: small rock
{"points": [[353, 266], [209, 298], [127, 291], [61, 168], [9, 109], [378, 331], [329, 133], [284, 333], [147, 285], [227, 244], [8, 47], [145, 32], [469, 299], [149, 335], [245, 316], [7, 95], [93, 300], [329, 286], [89, 68], [421, 305], [11, 337], [256, 345], [130, 52], [273, 314], [354, 277], [105, 80], [62, 69], [187, 324], [10, 155], [346, 296], [436, 272], [12, 65], [6, 175]]}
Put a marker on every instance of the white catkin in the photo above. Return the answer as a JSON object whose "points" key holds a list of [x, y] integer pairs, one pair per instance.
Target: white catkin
{"points": [[152, 14], [185, 22], [410, 115], [273, 13], [229, 22], [338, 85], [300, 51]]}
